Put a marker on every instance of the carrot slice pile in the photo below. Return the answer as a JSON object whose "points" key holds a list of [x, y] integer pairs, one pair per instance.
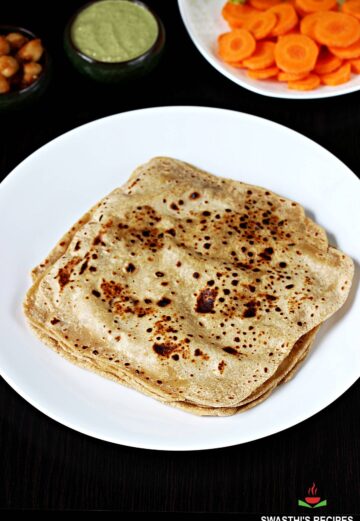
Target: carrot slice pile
{"points": [[341, 75], [236, 45], [352, 7], [286, 18], [296, 53], [262, 58], [337, 29], [305, 43], [261, 24], [311, 82]]}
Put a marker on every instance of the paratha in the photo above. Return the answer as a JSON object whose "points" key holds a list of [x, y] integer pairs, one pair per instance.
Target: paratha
{"points": [[202, 292]]}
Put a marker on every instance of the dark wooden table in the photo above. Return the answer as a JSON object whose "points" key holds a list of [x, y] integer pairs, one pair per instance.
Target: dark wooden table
{"points": [[47, 466]]}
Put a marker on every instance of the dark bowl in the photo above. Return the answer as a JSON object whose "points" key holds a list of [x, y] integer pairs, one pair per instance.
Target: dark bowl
{"points": [[114, 72], [22, 98]]}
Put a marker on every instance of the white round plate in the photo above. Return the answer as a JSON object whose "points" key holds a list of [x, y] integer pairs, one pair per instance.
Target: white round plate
{"points": [[46, 194], [203, 20]]}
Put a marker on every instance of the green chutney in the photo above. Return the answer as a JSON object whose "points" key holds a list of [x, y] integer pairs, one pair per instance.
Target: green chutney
{"points": [[114, 30]]}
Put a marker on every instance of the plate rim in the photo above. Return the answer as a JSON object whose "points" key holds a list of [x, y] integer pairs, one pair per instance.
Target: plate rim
{"points": [[291, 95], [58, 417]]}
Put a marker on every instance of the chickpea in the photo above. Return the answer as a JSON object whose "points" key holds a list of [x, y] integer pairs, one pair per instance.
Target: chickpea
{"points": [[32, 70], [16, 40], [8, 66], [4, 85], [31, 51], [4, 46]]}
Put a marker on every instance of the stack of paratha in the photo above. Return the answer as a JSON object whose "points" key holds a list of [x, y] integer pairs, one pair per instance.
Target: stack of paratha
{"points": [[202, 292]]}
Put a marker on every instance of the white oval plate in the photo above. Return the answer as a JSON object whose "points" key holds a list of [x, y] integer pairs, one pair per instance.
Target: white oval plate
{"points": [[204, 23], [46, 194]]}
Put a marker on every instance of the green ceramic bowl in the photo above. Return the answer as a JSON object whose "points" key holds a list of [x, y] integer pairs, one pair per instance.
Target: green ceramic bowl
{"points": [[114, 72], [18, 99]]}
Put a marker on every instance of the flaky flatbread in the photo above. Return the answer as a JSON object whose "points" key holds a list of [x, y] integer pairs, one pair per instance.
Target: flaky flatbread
{"points": [[197, 290]]}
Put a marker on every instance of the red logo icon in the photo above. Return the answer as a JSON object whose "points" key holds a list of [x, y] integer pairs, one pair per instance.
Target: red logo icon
{"points": [[312, 500]]}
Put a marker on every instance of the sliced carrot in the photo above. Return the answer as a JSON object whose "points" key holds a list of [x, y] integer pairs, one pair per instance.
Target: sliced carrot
{"points": [[309, 83], [288, 76], [337, 29], [261, 24], [263, 74], [296, 53], [341, 75], [326, 62], [220, 37], [351, 7], [312, 6], [238, 65], [307, 24], [352, 51], [262, 5], [355, 66], [236, 45], [262, 58], [286, 18], [304, 43], [235, 14]]}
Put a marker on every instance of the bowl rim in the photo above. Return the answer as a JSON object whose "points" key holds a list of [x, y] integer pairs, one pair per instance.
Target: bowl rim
{"points": [[109, 65], [4, 28]]}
